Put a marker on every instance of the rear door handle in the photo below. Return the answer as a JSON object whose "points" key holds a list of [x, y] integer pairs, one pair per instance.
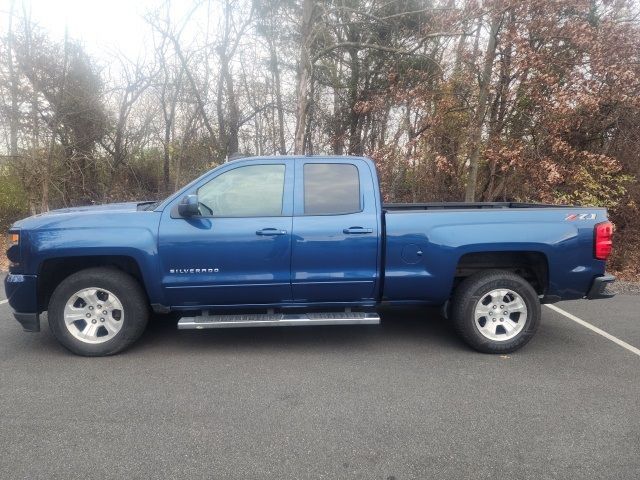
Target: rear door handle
{"points": [[357, 230], [269, 232]]}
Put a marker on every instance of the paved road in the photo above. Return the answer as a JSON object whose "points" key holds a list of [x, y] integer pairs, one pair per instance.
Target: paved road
{"points": [[400, 401]]}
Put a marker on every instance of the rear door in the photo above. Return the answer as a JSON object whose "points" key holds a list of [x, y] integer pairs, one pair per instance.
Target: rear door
{"points": [[335, 232]]}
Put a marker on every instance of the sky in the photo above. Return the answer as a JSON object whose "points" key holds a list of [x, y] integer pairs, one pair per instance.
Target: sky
{"points": [[103, 26]]}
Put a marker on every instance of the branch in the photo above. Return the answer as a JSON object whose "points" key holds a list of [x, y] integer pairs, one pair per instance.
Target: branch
{"points": [[383, 48], [256, 112]]}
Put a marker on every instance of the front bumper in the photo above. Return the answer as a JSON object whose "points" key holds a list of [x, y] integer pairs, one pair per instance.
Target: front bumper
{"points": [[22, 295], [599, 286], [30, 321]]}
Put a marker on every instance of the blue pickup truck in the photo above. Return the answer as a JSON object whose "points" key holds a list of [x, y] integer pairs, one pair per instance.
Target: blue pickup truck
{"points": [[278, 241]]}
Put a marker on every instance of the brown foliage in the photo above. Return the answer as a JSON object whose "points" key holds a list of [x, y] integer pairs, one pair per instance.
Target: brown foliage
{"points": [[542, 96]]}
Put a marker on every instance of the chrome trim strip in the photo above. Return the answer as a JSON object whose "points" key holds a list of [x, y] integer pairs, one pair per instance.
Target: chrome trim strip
{"points": [[220, 285]]}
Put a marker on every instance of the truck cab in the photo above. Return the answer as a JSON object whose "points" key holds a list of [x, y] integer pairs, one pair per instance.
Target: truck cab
{"points": [[274, 231]]}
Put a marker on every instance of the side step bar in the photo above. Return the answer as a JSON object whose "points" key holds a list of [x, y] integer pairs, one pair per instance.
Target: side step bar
{"points": [[277, 320]]}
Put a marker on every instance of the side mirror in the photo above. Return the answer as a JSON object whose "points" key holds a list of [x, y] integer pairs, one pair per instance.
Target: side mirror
{"points": [[188, 206]]}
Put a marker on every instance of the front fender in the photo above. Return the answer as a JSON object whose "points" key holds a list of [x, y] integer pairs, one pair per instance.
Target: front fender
{"points": [[136, 242]]}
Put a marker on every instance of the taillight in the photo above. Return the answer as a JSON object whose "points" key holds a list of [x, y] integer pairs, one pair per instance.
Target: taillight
{"points": [[603, 234]]}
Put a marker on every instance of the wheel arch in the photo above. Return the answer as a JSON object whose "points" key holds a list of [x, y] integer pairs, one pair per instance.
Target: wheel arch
{"points": [[53, 271], [533, 266]]}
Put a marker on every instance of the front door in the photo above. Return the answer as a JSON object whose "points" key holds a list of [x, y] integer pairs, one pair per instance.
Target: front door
{"points": [[238, 250], [335, 232]]}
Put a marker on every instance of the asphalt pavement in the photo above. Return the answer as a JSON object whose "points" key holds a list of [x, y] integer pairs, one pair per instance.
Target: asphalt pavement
{"points": [[403, 400]]}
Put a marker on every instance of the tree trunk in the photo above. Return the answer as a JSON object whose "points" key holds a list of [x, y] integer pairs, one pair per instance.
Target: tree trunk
{"points": [[168, 123], [308, 136], [497, 122], [305, 72], [234, 112], [275, 68], [476, 134], [13, 87], [354, 116], [44, 207], [337, 140]]}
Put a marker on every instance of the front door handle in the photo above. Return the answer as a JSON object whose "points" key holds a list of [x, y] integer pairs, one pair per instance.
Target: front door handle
{"points": [[269, 232], [357, 230]]}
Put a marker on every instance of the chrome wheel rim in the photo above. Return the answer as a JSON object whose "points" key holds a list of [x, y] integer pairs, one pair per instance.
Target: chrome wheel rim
{"points": [[93, 315], [500, 314]]}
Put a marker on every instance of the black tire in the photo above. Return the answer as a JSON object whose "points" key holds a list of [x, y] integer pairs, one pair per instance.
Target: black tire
{"points": [[130, 294], [477, 286]]}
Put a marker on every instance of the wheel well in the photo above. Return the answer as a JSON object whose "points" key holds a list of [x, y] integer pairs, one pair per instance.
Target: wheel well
{"points": [[54, 270], [532, 266]]}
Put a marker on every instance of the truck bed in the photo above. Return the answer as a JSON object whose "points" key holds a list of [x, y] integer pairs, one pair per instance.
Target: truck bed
{"points": [[425, 243]]}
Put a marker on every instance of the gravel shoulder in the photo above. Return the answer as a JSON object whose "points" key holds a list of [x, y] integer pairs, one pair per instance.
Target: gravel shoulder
{"points": [[624, 288]]}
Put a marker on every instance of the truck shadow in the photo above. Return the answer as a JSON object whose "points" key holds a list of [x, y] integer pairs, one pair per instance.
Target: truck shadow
{"points": [[424, 326]]}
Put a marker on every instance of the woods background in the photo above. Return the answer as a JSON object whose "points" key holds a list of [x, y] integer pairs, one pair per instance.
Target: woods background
{"points": [[454, 100]]}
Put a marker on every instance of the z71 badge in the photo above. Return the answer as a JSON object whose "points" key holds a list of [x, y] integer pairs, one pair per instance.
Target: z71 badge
{"points": [[580, 216]]}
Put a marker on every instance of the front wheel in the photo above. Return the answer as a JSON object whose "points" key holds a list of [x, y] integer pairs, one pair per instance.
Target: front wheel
{"points": [[495, 311], [98, 311]]}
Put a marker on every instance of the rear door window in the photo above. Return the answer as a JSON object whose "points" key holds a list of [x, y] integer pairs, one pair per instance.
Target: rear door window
{"points": [[331, 189]]}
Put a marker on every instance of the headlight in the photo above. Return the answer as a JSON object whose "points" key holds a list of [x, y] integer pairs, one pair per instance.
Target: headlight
{"points": [[14, 238]]}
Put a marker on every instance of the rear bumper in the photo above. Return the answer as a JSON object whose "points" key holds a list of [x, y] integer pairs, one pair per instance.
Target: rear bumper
{"points": [[598, 287], [23, 298]]}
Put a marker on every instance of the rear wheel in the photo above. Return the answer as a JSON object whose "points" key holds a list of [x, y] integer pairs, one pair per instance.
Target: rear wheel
{"points": [[495, 311], [98, 311]]}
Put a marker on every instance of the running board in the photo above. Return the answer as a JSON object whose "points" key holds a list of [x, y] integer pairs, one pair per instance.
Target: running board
{"points": [[277, 320]]}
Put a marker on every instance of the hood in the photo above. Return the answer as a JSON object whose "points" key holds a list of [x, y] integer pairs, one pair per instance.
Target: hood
{"points": [[62, 215]]}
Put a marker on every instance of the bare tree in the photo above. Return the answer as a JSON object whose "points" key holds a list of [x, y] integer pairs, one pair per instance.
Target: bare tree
{"points": [[481, 108], [137, 77], [164, 28]]}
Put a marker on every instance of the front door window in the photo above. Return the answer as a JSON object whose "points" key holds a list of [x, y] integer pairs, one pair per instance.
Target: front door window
{"points": [[249, 191]]}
